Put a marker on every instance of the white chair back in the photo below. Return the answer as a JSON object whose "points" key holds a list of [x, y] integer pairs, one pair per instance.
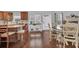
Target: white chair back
{"points": [[70, 32]]}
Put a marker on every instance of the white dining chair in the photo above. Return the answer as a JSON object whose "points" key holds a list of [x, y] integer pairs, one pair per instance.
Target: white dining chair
{"points": [[70, 32]]}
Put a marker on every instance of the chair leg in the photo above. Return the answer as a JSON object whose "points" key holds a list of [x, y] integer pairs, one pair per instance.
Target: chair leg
{"points": [[76, 45], [18, 36], [64, 45], [22, 40], [67, 43]]}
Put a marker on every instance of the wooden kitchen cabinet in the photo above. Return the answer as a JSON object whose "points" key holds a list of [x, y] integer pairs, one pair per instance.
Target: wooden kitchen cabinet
{"points": [[24, 15], [1, 15], [8, 15], [5, 15]]}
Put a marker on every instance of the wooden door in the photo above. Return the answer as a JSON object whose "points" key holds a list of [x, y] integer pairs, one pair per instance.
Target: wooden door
{"points": [[24, 15]]}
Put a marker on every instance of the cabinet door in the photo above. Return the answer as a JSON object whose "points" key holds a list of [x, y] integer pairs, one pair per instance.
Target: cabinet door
{"points": [[8, 16], [24, 15], [5, 15], [1, 15]]}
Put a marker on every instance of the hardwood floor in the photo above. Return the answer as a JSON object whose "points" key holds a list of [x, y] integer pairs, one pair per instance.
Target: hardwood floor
{"points": [[39, 43]]}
